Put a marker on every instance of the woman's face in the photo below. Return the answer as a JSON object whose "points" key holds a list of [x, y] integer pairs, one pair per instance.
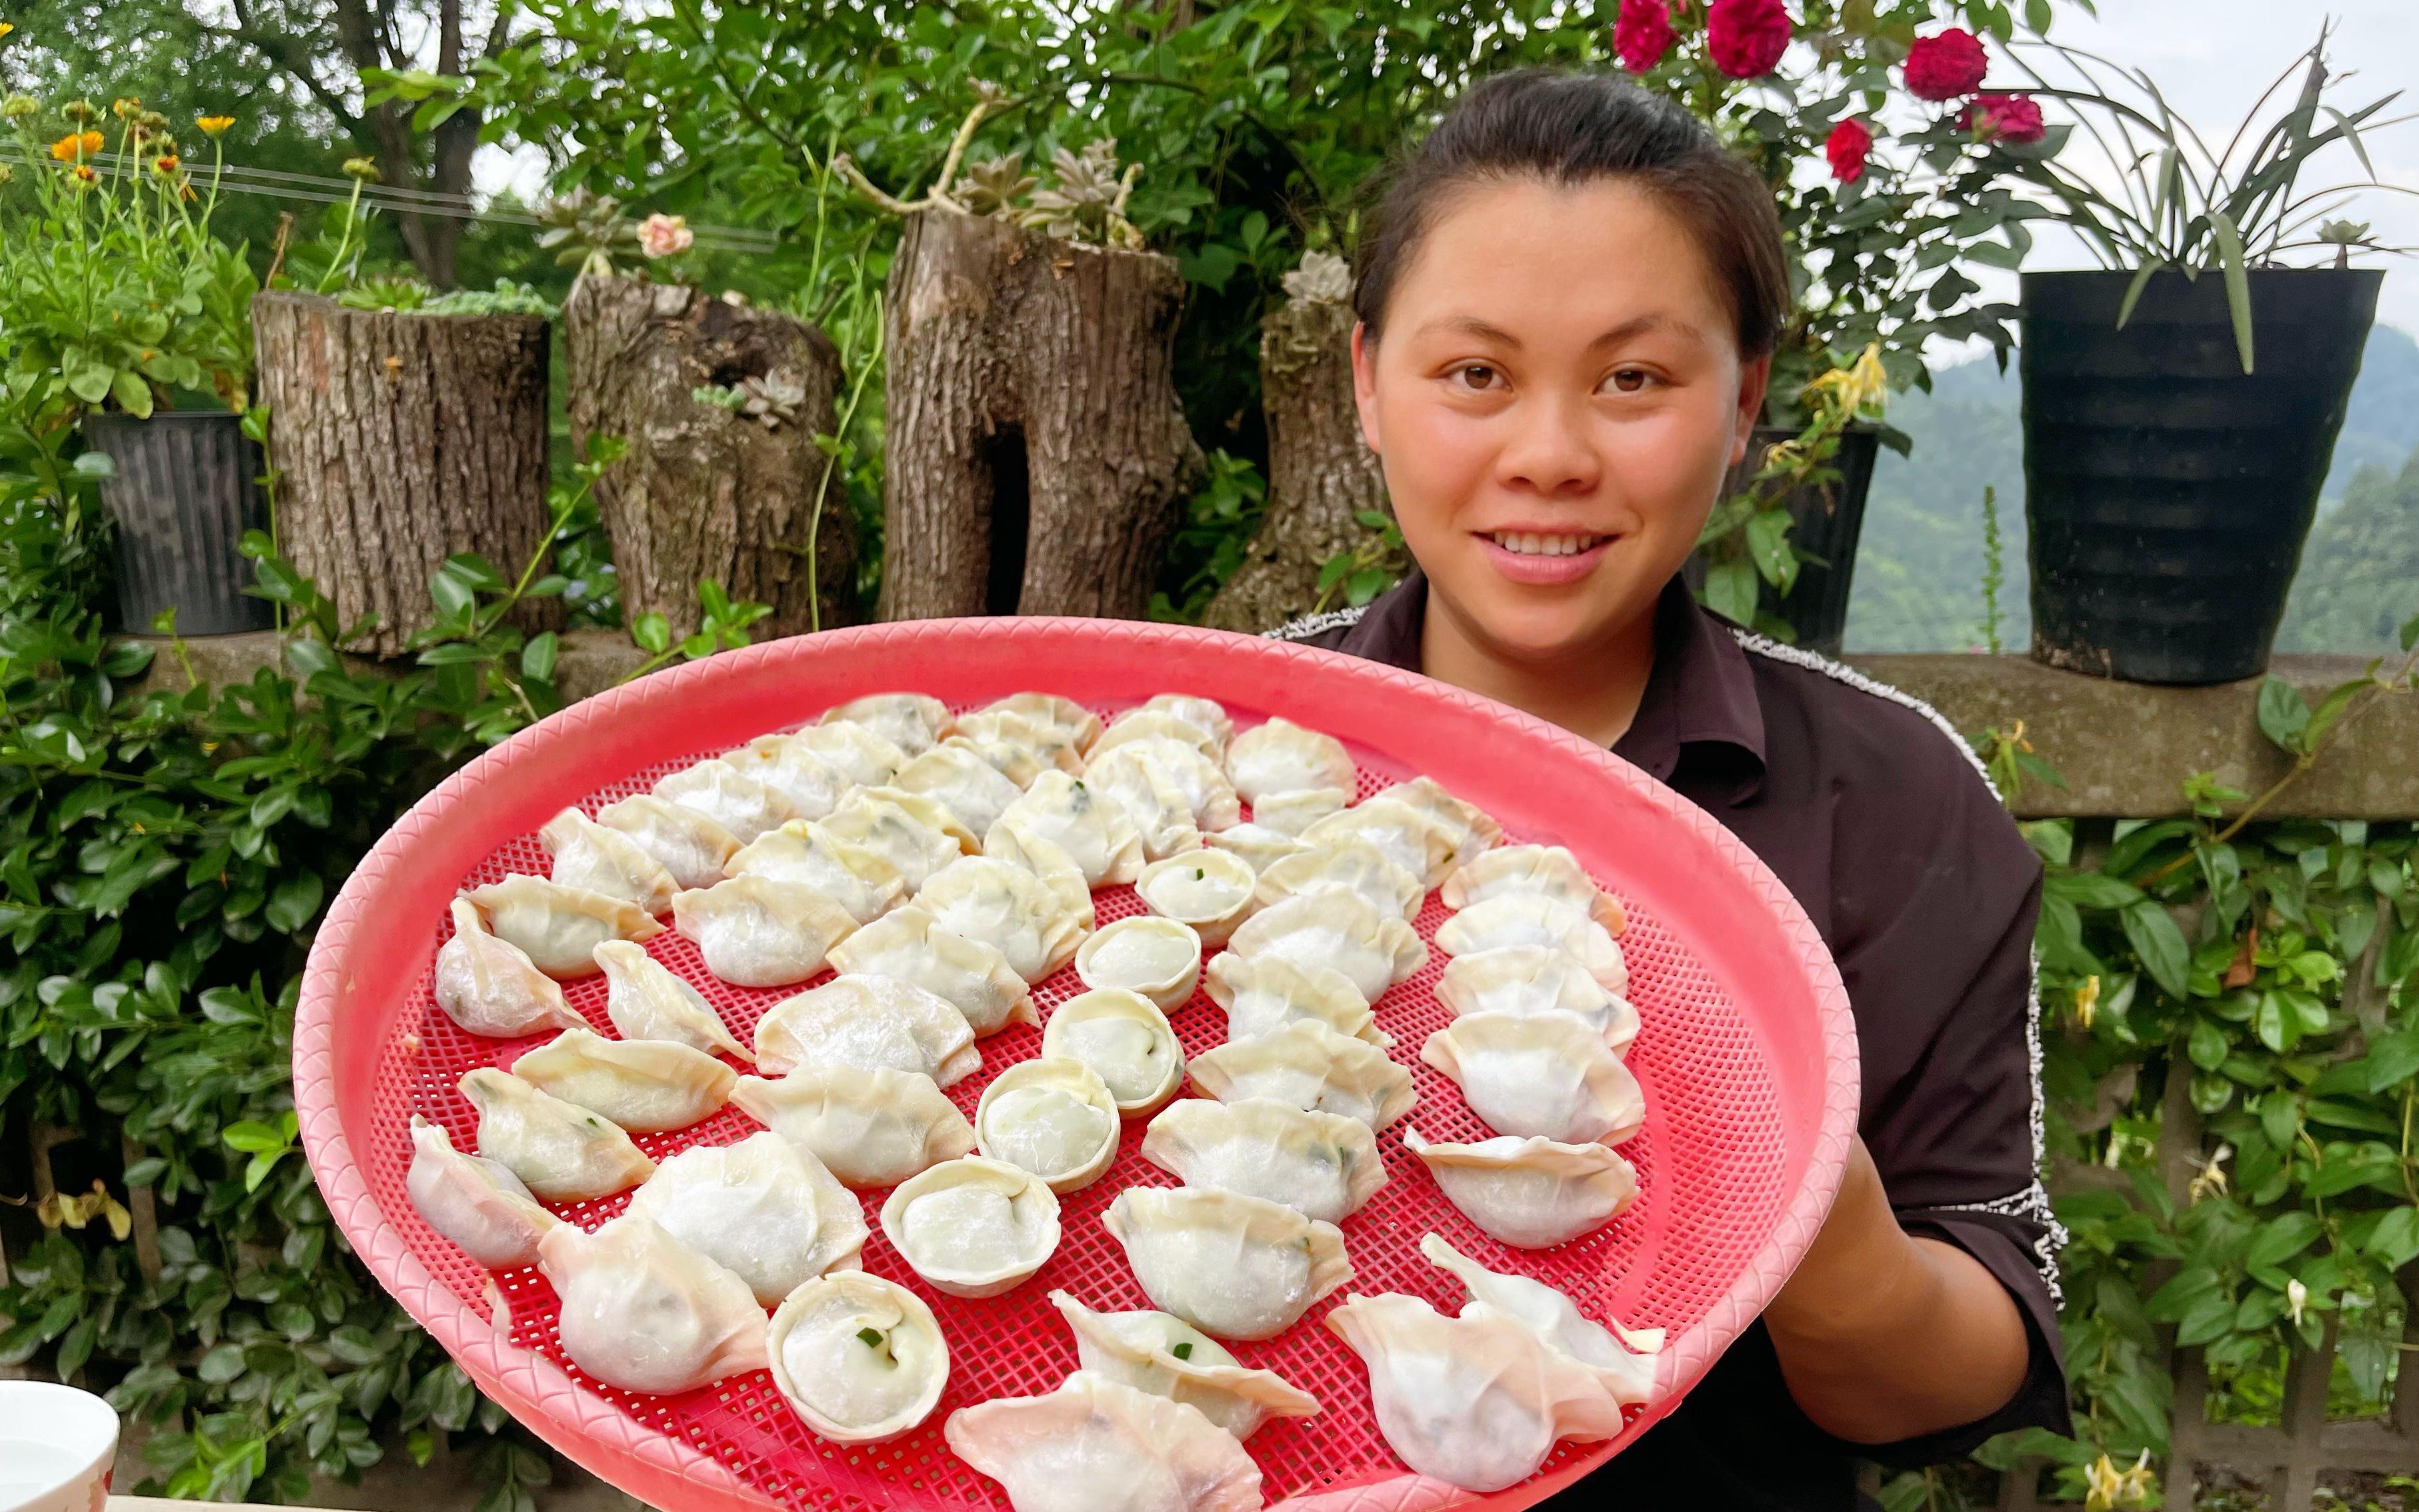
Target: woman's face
{"points": [[1556, 397]]}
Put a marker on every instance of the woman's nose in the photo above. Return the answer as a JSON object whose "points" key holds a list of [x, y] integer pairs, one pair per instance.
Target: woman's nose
{"points": [[1550, 450]]}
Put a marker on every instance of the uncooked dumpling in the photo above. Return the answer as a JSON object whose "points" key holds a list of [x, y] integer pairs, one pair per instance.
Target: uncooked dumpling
{"points": [[1126, 1039], [1416, 840], [865, 757], [692, 847], [1201, 713], [972, 1226], [1535, 979], [858, 1356], [1261, 995], [763, 1209], [649, 1086], [1479, 1402], [1136, 725], [1310, 1065], [1527, 918], [1156, 957], [1090, 826], [1544, 870], [476, 1202], [1207, 891], [1472, 829], [974, 791], [1283, 757], [491, 986], [1290, 813], [909, 830], [1621, 1358], [1020, 761], [1347, 866], [1134, 777], [868, 1022], [1547, 1074], [754, 931], [813, 785], [911, 945], [911, 721], [562, 1152], [1531, 1194], [1256, 843], [1322, 1164], [1099, 1445], [1337, 929], [1209, 798], [869, 1128], [1008, 908], [858, 879], [646, 1000], [1166, 1356], [729, 796], [1059, 718], [1052, 866], [601, 859], [1238, 1267], [1052, 1115], [559, 928], [644, 1312]]}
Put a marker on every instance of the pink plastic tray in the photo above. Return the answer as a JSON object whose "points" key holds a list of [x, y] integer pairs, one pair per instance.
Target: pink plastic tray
{"points": [[1747, 1056]]}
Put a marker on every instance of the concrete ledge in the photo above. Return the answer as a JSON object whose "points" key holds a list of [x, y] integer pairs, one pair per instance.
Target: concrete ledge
{"points": [[2124, 749]]}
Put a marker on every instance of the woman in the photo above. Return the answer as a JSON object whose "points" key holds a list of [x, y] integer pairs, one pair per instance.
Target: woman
{"points": [[1567, 307]]}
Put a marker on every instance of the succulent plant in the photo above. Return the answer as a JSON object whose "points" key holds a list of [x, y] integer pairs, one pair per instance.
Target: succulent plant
{"points": [[1322, 276], [584, 229], [992, 186], [1086, 201]]}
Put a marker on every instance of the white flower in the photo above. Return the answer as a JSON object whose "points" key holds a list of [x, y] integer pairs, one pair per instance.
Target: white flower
{"points": [[660, 234], [2297, 1297]]}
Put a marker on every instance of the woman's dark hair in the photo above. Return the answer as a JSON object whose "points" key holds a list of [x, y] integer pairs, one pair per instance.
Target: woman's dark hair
{"points": [[1571, 128]]}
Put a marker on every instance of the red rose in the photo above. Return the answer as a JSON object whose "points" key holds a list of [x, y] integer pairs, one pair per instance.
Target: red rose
{"points": [[1641, 34], [2002, 117], [1847, 148], [1746, 37], [1946, 66]]}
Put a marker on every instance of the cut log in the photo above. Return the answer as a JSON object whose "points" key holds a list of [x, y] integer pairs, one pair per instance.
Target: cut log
{"points": [[704, 491], [1037, 456], [1321, 474], [400, 439]]}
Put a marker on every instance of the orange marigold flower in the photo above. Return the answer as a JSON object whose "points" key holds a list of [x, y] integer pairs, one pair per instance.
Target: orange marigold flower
{"points": [[82, 177], [213, 124], [76, 146], [165, 164]]}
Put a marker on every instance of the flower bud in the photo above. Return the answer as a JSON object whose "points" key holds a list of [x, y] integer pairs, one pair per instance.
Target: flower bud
{"points": [[18, 108]]}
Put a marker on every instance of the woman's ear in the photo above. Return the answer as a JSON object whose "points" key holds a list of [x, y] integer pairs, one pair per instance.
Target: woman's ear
{"points": [[1365, 385], [1754, 379]]}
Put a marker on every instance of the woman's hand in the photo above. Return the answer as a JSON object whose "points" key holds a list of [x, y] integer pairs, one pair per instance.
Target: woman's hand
{"points": [[1883, 1336]]}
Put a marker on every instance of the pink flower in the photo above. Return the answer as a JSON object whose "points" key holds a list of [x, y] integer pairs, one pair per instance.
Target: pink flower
{"points": [[2002, 117], [1641, 34], [1946, 66], [1847, 148], [660, 236], [1746, 37]]}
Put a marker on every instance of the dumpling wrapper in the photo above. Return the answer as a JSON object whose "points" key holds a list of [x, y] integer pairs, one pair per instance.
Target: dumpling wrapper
{"points": [[975, 792], [911, 721], [1322, 1164], [644, 1312], [864, 756], [764, 1208], [1547, 1074], [1621, 1358], [1544, 870], [647, 1085], [690, 846], [972, 1226], [1202, 713], [805, 853], [1210, 799], [1283, 757], [477, 1203], [1233, 1266], [1052, 1115], [559, 928], [646, 1000], [813, 786], [1348, 866], [1052, 867], [1207, 891], [849, 1388], [1416, 840], [603, 859], [1535, 979], [1050, 711], [1166, 1356], [1260, 995], [1007, 907], [911, 945], [1148, 954], [1131, 778], [1145, 723], [1019, 760], [1528, 918], [909, 830], [868, 1022], [754, 931], [1473, 829], [1126, 1040], [1099, 1445], [1312, 1066], [491, 986], [1339, 929], [1256, 843], [869, 1128], [1290, 813], [1056, 730], [561, 1152], [1531, 1194], [728, 796]]}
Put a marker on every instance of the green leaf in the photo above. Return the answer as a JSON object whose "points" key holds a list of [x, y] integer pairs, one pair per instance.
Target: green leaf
{"points": [[132, 394], [2206, 1045], [537, 657], [2141, 281], [2160, 945], [2392, 1059], [2283, 714], [652, 633], [1731, 588], [2396, 1239], [2287, 1235], [2238, 281], [294, 903]]}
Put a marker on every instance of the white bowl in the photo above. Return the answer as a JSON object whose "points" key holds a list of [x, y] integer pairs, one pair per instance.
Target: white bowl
{"points": [[55, 1447]]}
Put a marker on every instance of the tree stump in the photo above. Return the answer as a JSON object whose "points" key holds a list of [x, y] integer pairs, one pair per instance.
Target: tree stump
{"points": [[1321, 472], [704, 491], [1038, 457], [400, 439]]}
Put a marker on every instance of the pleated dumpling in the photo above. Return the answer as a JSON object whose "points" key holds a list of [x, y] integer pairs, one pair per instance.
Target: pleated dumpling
{"points": [[649, 1086], [476, 1202], [1208, 796], [859, 1357], [1166, 1356], [911, 721], [754, 931], [867, 757], [1310, 1065], [1134, 777], [1126, 1040], [1053, 866], [860, 880], [1099, 1445], [764, 1208], [589, 854], [1262, 993], [1322, 1164], [1200, 713], [1414, 839], [1018, 763], [869, 1128], [1090, 826], [1290, 813], [1527, 918], [1535, 979], [562, 1152], [1257, 845], [644, 1312], [647, 1000], [559, 928], [868, 1022], [1052, 1115], [1039, 717], [1531, 1194], [1621, 1358], [692, 847], [491, 986], [1283, 757], [789, 767], [1472, 829], [975, 792], [1545, 1074], [1237, 1267], [972, 1226], [729, 796], [1337, 929], [911, 945], [1141, 724], [1543, 871], [909, 830], [1209, 891], [1352, 866], [1478, 1402], [1008, 908]]}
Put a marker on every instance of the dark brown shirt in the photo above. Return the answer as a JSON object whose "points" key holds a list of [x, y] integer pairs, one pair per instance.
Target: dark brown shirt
{"points": [[1876, 814]]}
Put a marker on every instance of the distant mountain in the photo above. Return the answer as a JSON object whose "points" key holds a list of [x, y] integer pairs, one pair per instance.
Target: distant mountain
{"points": [[1920, 568]]}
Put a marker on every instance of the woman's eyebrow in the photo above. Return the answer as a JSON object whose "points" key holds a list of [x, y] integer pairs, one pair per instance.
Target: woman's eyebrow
{"points": [[1470, 325], [1640, 325]]}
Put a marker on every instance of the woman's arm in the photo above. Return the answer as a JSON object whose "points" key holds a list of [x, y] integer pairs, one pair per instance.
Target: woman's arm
{"points": [[1884, 1336]]}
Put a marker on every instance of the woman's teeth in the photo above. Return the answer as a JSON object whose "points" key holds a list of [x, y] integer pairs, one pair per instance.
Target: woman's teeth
{"points": [[1544, 546]]}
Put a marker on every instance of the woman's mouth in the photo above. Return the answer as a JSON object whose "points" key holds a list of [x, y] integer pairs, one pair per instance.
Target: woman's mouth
{"points": [[1544, 558]]}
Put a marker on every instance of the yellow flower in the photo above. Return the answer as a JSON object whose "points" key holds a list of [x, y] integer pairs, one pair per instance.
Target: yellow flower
{"points": [[76, 146], [213, 124], [1858, 387], [2086, 999], [6, 27], [6, 173]]}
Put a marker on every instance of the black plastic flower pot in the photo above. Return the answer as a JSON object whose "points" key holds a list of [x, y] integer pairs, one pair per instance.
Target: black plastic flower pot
{"points": [[186, 488], [2166, 491], [1825, 524]]}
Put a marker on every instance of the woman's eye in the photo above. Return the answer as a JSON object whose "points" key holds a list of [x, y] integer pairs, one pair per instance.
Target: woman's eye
{"points": [[1629, 380], [1475, 375]]}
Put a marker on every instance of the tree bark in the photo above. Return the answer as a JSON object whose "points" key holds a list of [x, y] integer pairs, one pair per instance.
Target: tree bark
{"points": [[1037, 456], [400, 439], [1321, 474], [703, 492]]}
